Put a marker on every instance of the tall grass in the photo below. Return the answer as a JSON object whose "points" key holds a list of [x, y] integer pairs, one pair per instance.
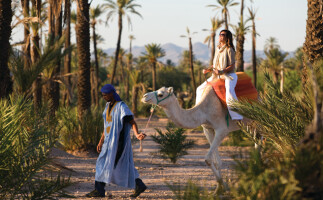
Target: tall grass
{"points": [[26, 137]]}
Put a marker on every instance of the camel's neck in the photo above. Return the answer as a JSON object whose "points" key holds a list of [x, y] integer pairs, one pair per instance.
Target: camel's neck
{"points": [[190, 118]]}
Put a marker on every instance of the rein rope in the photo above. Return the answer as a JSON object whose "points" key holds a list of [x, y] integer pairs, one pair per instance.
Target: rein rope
{"points": [[152, 109]]}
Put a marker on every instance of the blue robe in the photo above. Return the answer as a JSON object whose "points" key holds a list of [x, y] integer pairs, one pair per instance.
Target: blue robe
{"points": [[124, 172]]}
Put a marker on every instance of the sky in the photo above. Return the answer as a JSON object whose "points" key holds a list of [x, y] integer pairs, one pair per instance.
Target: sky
{"points": [[163, 21]]}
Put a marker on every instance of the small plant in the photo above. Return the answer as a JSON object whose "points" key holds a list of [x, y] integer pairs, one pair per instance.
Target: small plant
{"points": [[173, 143], [26, 137]]}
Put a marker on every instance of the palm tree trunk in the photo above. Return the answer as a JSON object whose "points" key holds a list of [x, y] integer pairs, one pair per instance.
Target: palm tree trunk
{"points": [[96, 79], [118, 48], [192, 67], [154, 75], [213, 48], [54, 95], [26, 46], [129, 69], [313, 48], [254, 64], [83, 52], [313, 45], [239, 52], [67, 58], [282, 78], [135, 90], [226, 21], [241, 10], [37, 89], [5, 32]]}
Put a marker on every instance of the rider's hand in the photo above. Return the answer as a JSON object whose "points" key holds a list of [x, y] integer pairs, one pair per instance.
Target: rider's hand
{"points": [[205, 71]]}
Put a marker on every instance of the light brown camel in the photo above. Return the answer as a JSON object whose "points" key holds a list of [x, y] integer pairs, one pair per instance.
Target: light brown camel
{"points": [[208, 113]]}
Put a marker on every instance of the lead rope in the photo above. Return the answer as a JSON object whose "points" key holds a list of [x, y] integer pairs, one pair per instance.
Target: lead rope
{"points": [[151, 114]]}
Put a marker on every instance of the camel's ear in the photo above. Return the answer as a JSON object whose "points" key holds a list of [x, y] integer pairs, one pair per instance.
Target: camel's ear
{"points": [[170, 90]]}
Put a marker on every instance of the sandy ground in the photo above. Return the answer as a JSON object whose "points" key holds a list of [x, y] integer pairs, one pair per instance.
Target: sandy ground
{"points": [[155, 172]]}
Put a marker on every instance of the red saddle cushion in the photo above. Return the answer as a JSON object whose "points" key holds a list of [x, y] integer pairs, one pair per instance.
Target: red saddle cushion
{"points": [[244, 88]]}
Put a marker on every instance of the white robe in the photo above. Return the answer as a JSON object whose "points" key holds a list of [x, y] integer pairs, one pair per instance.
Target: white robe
{"points": [[124, 173], [223, 57]]}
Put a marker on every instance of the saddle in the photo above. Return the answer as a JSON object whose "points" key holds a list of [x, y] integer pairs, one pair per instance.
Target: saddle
{"points": [[245, 90]]}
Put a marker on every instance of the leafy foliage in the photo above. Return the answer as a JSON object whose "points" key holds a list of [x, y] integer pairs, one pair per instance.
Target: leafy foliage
{"points": [[24, 78], [173, 143], [288, 166], [76, 133], [279, 117], [25, 140]]}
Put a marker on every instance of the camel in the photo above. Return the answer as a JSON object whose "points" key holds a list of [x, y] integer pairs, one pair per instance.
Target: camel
{"points": [[208, 113]]}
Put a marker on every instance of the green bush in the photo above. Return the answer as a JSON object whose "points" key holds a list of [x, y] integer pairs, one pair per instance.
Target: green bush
{"points": [[80, 134], [26, 137], [172, 144]]}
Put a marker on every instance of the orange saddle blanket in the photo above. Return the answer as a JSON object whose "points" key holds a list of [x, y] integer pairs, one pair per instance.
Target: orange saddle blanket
{"points": [[244, 88]]}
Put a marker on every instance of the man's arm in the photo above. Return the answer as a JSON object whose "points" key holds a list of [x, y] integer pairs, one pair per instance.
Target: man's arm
{"points": [[140, 136], [99, 147]]}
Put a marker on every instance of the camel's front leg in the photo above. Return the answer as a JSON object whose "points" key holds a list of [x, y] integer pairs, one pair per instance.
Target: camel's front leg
{"points": [[215, 164]]}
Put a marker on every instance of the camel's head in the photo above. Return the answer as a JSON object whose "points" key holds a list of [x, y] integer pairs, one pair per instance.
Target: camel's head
{"points": [[158, 97]]}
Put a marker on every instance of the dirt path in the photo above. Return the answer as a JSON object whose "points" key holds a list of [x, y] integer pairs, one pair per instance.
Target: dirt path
{"points": [[154, 172]]}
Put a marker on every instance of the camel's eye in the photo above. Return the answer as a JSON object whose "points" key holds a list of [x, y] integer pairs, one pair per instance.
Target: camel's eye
{"points": [[160, 95]]}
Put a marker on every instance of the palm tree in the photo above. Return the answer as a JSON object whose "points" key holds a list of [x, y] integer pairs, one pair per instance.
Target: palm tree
{"points": [[224, 5], [153, 52], [35, 51], [252, 17], [129, 64], [95, 13], [136, 85], [5, 33], [26, 46], [191, 58], [83, 53], [313, 48], [121, 8], [216, 24], [271, 43], [274, 61], [240, 32], [67, 58]]}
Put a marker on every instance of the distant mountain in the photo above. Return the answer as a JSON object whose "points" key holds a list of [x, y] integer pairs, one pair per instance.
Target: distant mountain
{"points": [[200, 51]]}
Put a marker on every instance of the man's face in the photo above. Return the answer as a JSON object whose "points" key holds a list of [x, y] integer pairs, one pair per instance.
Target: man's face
{"points": [[108, 97]]}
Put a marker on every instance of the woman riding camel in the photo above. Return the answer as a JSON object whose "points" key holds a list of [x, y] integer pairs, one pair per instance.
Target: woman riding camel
{"points": [[224, 68]]}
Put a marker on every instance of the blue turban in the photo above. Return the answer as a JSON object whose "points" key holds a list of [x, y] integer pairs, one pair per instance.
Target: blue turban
{"points": [[108, 88]]}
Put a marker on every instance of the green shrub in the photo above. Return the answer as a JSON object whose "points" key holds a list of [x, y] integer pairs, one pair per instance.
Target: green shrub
{"points": [[78, 134], [26, 137], [172, 144]]}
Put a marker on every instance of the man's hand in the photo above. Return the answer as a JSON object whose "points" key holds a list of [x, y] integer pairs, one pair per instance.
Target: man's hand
{"points": [[99, 147], [141, 136]]}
